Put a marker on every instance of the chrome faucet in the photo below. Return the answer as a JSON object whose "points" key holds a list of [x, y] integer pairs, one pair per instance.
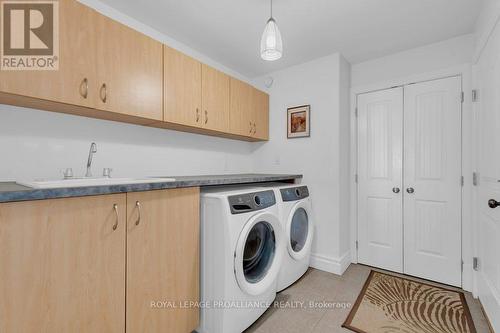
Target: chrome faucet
{"points": [[93, 150]]}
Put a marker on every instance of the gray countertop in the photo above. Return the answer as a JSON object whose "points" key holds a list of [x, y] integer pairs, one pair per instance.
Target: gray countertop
{"points": [[10, 191]]}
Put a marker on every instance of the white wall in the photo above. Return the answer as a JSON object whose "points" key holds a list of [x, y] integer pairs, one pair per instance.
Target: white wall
{"points": [[321, 157], [485, 26], [39, 144], [345, 166], [429, 58]]}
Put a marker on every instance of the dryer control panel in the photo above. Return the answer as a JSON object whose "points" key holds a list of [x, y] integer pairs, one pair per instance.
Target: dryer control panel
{"points": [[250, 202], [294, 193]]}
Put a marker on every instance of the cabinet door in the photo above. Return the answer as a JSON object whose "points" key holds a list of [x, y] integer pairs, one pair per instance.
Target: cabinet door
{"points": [[130, 67], [162, 260], [215, 99], [241, 116], [261, 114], [63, 265], [182, 84], [75, 79]]}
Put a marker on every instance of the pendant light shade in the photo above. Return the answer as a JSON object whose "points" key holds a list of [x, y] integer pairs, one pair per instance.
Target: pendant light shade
{"points": [[271, 45]]}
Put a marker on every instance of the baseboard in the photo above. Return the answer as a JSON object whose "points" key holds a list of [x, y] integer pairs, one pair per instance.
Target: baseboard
{"points": [[490, 300], [329, 264]]}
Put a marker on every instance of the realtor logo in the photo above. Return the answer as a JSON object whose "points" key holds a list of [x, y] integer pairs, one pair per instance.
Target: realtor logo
{"points": [[30, 35]]}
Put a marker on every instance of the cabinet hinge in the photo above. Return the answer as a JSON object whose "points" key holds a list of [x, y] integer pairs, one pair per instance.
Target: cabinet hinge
{"points": [[475, 263], [475, 178], [462, 267], [356, 178], [357, 246], [462, 97], [356, 112], [475, 95], [462, 181]]}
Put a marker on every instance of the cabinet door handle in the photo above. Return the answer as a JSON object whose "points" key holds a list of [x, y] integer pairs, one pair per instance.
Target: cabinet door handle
{"points": [[410, 190], [115, 208], [197, 114], [206, 116], [138, 205], [103, 93], [250, 128], [254, 128], [395, 190], [84, 88]]}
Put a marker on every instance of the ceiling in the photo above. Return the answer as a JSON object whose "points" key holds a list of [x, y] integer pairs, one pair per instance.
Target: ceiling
{"points": [[229, 31]]}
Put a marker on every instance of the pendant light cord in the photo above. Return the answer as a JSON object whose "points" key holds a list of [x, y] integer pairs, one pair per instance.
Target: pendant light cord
{"points": [[271, 8]]}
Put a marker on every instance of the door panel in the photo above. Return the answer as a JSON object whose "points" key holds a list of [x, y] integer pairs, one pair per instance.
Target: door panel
{"points": [[242, 114], [486, 111], [130, 65], [432, 168], [77, 56], [182, 79], [215, 99], [63, 265], [380, 170], [162, 260], [261, 114]]}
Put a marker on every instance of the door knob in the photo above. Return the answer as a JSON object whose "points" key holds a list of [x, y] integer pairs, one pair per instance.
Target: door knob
{"points": [[493, 203], [395, 190], [410, 190]]}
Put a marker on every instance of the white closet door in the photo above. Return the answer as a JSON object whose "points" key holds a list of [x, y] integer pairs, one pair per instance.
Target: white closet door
{"points": [[432, 178], [380, 122]]}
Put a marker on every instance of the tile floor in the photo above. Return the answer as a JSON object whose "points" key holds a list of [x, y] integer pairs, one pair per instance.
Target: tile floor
{"points": [[333, 291]]}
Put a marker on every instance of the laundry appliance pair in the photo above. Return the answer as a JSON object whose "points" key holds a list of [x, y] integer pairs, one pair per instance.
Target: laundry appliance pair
{"points": [[255, 241]]}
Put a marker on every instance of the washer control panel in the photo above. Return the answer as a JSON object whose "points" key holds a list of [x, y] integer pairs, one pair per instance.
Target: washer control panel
{"points": [[294, 193], [250, 202]]}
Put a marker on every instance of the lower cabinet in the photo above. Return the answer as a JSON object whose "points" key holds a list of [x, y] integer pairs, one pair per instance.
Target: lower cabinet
{"points": [[98, 264], [62, 265], [162, 260]]}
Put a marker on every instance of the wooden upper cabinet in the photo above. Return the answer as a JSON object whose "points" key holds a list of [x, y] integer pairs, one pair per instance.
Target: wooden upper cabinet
{"points": [[162, 259], [249, 114], [182, 84], [241, 112], [129, 67], [261, 113], [110, 71], [75, 80], [214, 99], [63, 265]]}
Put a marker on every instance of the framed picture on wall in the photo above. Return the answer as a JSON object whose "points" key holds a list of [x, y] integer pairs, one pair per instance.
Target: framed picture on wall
{"points": [[299, 124]]}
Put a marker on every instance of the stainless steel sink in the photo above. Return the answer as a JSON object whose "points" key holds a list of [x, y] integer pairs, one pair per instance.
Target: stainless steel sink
{"points": [[83, 182]]}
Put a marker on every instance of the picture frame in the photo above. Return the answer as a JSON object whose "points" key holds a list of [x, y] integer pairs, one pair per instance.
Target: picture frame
{"points": [[299, 122]]}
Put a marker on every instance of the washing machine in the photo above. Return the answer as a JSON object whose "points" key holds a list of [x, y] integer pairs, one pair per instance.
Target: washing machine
{"points": [[242, 248], [296, 216]]}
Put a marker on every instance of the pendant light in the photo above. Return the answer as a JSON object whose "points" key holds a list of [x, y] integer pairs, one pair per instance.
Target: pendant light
{"points": [[271, 46]]}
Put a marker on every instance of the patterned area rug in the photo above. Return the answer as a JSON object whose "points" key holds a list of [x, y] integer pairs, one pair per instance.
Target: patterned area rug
{"points": [[390, 303]]}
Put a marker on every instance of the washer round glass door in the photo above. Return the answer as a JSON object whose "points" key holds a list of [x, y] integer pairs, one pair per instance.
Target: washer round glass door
{"points": [[258, 254], [299, 229]]}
